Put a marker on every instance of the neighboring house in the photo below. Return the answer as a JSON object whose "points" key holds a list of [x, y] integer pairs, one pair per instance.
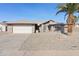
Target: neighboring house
{"points": [[48, 25]]}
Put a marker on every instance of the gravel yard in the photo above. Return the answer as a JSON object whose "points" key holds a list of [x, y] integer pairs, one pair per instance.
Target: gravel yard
{"points": [[47, 43], [10, 44]]}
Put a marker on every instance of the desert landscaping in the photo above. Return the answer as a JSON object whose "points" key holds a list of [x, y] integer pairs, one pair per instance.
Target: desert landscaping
{"points": [[37, 29], [45, 43]]}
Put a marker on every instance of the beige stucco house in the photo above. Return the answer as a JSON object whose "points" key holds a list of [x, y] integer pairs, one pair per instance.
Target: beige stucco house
{"points": [[20, 26], [23, 26]]}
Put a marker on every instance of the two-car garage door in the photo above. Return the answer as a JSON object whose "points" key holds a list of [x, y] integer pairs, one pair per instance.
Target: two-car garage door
{"points": [[22, 29]]}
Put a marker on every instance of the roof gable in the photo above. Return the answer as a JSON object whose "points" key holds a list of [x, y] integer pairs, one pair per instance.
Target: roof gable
{"points": [[49, 21]]}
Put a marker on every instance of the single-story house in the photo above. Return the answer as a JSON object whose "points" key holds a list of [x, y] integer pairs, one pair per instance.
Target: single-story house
{"points": [[21, 26]]}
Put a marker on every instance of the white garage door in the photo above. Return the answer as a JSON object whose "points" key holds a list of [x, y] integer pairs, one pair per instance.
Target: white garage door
{"points": [[22, 29]]}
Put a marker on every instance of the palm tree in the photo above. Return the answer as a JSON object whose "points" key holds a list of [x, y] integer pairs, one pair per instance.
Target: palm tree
{"points": [[69, 9]]}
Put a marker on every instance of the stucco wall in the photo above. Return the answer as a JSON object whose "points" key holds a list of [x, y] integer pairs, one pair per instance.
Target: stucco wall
{"points": [[33, 29], [10, 29], [2, 27]]}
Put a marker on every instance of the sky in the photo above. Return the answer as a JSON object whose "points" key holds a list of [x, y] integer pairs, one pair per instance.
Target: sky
{"points": [[30, 11]]}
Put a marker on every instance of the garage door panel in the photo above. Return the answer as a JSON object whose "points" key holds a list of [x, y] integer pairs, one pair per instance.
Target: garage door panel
{"points": [[22, 29]]}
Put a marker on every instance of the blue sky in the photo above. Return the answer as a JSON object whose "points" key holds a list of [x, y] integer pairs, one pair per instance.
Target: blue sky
{"points": [[30, 11]]}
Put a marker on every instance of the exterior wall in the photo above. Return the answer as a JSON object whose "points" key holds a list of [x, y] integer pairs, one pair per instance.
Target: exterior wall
{"points": [[65, 30], [2, 28], [76, 25], [44, 27], [52, 28], [10, 29], [33, 29]]}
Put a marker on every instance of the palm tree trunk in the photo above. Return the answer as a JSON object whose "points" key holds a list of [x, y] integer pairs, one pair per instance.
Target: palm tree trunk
{"points": [[70, 26], [70, 23]]}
